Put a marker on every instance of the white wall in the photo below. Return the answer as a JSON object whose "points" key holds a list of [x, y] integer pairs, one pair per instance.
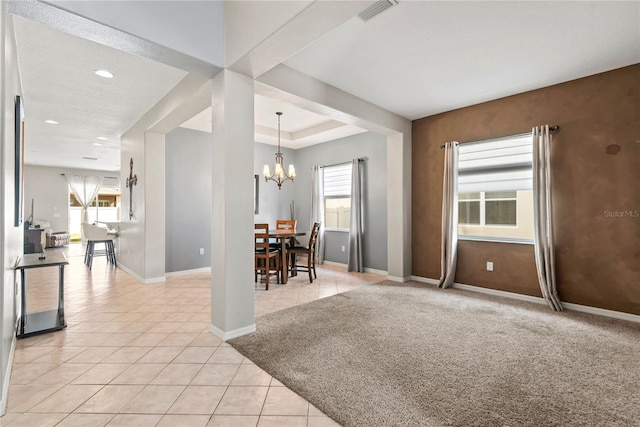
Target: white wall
{"points": [[141, 238], [188, 200], [50, 192], [11, 237], [154, 205], [274, 204], [131, 239], [373, 146]]}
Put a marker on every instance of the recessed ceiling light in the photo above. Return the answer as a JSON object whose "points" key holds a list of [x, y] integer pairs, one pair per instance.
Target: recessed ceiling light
{"points": [[101, 138], [104, 73], [97, 144], [51, 122]]}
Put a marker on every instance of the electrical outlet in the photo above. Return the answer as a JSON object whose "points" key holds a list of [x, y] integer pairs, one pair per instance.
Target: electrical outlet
{"points": [[489, 266], [201, 251], [342, 248]]}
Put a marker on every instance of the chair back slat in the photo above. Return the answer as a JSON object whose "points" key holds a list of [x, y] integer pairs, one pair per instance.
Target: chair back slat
{"points": [[286, 224], [267, 260], [313, 237], [261, 236]]}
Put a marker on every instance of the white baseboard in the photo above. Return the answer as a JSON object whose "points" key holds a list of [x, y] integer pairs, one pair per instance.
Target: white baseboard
{"points": [[335, 264], [375, 271], [498, 293], [538, 300], [152, 280], [602, 312], [224, 336], [7, 378], [187, 272], [142, 279], [425, 280], [345, 266], [398, 279]]}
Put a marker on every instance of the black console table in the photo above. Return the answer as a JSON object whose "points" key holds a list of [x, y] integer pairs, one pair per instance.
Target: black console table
{"points": [[45, 321]]}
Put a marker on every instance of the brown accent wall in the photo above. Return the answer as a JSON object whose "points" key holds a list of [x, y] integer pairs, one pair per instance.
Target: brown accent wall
{"points": [[596, 190]]}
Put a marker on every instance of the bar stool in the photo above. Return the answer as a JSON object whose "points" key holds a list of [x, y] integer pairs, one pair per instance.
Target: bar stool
{"points": [[94, 234]]}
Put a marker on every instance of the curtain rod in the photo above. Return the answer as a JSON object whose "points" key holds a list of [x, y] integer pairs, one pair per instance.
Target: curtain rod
{"points": [[344, 163], [551, 128], [104, 176]]}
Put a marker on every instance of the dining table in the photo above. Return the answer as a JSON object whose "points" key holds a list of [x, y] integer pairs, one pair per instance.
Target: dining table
{"points": [[282, 235]]}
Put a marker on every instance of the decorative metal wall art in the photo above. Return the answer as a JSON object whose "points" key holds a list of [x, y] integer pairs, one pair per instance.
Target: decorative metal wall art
{"points": [[131, 181]]}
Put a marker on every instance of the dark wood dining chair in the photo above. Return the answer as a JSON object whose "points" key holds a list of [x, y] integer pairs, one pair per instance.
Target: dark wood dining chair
{"points": [[267, 259], [285, 224], [309, 251]]}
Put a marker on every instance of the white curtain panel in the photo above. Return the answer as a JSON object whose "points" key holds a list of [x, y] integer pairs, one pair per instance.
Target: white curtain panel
{"points": [[355, 260], [85, 188], [449, 248], [543, 216], [317, 209]]}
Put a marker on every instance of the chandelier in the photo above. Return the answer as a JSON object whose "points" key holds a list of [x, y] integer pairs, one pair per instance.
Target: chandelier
{"points": [[279, 176]]}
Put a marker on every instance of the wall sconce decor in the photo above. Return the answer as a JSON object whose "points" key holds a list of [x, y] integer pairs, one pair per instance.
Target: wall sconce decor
{"points": [[131, 181]]}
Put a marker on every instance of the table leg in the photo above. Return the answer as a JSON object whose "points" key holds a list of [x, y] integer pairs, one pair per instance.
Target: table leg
{"points": [[284, 267], [61, 296], [23, 300], [294, 271]]}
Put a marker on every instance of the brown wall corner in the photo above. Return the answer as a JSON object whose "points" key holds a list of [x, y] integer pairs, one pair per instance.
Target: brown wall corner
{"points": [[596, 189]]}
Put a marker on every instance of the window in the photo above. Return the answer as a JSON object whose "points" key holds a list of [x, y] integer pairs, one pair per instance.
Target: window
{"points": [[105, 207], [337, 197], [495, 197], [488, 208]]}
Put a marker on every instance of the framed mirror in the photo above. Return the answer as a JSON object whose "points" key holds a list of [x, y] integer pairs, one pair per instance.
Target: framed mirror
{"points": [[256, 194]]}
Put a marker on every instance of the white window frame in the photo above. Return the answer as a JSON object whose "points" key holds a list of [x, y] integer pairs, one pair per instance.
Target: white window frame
{"points": [[344, 190], [519, 169]]}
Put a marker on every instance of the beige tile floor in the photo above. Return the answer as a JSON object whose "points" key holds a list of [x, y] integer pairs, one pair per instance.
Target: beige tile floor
{"points": [[142, 355]]}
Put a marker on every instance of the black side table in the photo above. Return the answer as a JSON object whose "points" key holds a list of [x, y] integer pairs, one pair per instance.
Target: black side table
{"points": [[45, 321]]}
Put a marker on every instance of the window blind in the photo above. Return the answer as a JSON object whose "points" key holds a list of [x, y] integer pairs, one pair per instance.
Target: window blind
{"points": [[337, 180], [503, 164]]}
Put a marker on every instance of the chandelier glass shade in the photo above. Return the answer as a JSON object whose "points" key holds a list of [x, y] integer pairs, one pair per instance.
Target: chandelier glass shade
{"points": [[279, 176]]}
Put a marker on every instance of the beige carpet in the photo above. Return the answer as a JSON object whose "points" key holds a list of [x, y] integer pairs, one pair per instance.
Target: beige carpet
{"points": [[413, 355]]}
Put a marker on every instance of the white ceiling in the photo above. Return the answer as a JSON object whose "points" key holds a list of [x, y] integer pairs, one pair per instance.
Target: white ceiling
{"points": [[59, 83], [421, 58], [415, 59], [298, 128]]}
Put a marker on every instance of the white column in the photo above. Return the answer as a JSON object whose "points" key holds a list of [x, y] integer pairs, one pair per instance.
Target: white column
{"points": [[399, 206], [232, 286], [154, 205]]}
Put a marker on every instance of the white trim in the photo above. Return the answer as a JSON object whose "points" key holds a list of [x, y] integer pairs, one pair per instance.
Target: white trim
{"points": [[515, 240], [425, 280], [398, 279], [7, 378], [153, 280], [345, 266], [538, 300], [186, 272], [333, 263], [224, 336], [495, 292], [141, 279], [336, 230], [602, 312]]}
